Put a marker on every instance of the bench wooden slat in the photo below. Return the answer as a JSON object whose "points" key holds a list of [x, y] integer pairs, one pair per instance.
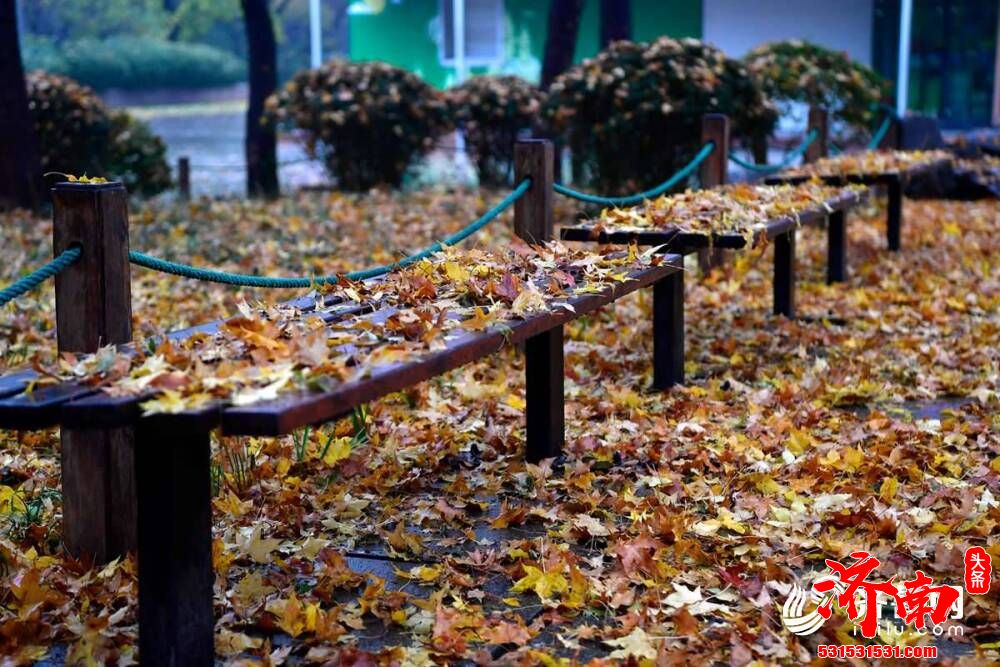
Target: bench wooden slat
{"points": [[15, 382], [40, 408], [294, 410], [99, 410], [862, 178], [288, 413], [684, 242]]}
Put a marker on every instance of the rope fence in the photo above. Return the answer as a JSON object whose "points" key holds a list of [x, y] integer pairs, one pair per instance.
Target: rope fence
{"points": [[876, 139], [29, 282], [246, 280], [792, 155], [72, 255], [880, 133], [639, 197]]}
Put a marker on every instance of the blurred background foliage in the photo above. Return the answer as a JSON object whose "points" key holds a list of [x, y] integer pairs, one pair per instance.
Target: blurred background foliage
{"points": [[170, 43]]}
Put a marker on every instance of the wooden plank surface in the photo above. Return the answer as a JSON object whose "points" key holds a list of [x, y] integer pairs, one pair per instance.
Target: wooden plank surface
{"points": [[684, 242], [84, 407], [296, 410], [15, 381], [872, 178], [39, 408]]}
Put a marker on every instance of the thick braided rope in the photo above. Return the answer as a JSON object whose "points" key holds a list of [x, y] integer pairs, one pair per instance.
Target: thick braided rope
{"points": [[880, 133], [245, 280], [29, 282], [794, 154], [640, 197]]}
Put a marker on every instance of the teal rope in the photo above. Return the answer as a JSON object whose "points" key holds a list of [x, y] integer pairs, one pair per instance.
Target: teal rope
{"points": [[29, 282], [880, 133], [629, 200], [791, 157], [835, 149], [244, 280]]}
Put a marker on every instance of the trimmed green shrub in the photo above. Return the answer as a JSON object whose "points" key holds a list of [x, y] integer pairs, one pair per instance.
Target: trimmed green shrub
{"points": [[136, 156], [632, 114], [135, 62], [492, 110], [367, 121], [805, 72], [78, 135]]}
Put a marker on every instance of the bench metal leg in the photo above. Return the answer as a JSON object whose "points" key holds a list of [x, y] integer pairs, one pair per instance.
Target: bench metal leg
{"points": [[544, 410], [173, 480], [836, 248], [784, 274], [668, 331], [894, 229]]}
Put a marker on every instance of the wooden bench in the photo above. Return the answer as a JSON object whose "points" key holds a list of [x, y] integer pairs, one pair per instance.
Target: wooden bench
{"points": [[669, 298], [172, 451], [668, 304], [894, 180]]}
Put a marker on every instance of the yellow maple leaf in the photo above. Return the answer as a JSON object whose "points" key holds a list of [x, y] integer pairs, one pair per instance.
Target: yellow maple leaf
{"points": [[479, 321], [425, 573], [888, 489], [255, 546], [10, 501], [337, 449], [545, 584], [456, 272], [636, 644], [798, 441]]}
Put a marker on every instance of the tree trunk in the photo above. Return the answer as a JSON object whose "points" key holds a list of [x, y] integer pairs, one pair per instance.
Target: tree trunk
{"points": [[616, 21], [560, 40], [261, 143], [20, 163]]}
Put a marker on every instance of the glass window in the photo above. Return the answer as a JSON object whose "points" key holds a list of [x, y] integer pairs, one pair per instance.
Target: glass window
{"points": [[484, 32]]}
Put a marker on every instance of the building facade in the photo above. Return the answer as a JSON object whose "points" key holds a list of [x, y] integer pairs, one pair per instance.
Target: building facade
{"points": [[954, 52]]}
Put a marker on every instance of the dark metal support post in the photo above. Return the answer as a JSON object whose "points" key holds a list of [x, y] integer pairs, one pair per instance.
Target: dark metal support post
{"points": [[784, 274], [93, 309], [176, 622], [894, 215], [543, 353], [836, 247], [668, 331], [544, 409]]}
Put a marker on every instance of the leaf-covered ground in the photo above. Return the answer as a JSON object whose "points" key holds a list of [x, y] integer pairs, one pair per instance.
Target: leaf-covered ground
{"points": [[413, 533]]}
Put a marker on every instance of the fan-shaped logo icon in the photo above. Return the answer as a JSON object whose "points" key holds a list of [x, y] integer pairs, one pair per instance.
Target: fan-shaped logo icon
{"points": [[794, 614]]}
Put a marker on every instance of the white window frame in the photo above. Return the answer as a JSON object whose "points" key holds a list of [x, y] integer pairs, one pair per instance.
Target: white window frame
{"points": [[470, 60]]}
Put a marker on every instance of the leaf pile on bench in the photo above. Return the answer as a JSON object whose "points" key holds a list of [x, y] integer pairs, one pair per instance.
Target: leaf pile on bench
{"points": [[741, 209], [869, 162], [310, 344]]}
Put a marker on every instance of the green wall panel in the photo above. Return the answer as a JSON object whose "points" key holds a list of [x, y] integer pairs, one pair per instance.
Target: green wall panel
{"points": [[404, 34]]}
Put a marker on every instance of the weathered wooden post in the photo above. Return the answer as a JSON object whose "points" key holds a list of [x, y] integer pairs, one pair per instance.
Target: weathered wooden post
{"points": [[714, 171], [715, 128], [184, 178], [819, 120], [93, 309], [543, 353]]}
